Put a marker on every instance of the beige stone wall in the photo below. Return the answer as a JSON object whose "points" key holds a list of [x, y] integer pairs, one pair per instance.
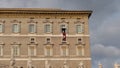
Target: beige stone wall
{"points": [[7, 37]]}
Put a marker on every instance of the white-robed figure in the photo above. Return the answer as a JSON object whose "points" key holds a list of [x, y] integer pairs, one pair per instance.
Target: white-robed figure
{"points": [[47, 65], [81, 65], [29, 62], [12, 61]]}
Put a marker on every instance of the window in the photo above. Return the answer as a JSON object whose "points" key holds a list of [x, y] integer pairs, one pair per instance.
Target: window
{"points": [[63, 28], [32, 28], [1, 50], [16, 28], [80, 51], [64, 51], [48, 28], [32, 51], [79, 28], [48, 51], [15, 50], [1, 28]]}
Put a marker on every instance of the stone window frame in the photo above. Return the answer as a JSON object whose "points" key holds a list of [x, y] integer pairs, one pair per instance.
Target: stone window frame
{"points": [[67, 50], [66, 26], [35, 50], [17, 22], [2, 22], [82, 28], [82, 49], [12, 49], [63, 21], [79, 21], [45, 29], [48, 21], [51, 50], [34, 28], [18, 26], [32, 22]]}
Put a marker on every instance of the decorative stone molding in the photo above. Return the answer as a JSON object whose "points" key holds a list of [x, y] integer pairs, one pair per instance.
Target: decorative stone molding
{"points": [[63, 20], [80, 20], [38, 59], [32, 21], [32, 41], [64, 43], [35, 43], [80, 44], [49, 44], [29, 35], [47, 20], [15, 43], [15, 21]]}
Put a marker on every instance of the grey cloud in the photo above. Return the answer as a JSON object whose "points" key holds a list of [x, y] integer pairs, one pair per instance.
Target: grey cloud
{"points": [[107, 55], [101, 51], [108, 32]]}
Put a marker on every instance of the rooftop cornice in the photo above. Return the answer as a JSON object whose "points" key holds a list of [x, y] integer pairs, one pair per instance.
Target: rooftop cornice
{"points": [[42, 11]]}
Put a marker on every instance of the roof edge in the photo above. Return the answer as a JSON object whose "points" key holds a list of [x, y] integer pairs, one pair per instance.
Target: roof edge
{"points": [[42, 10]]}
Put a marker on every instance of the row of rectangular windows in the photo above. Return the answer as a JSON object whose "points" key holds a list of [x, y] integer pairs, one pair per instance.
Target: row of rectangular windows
{"points": [[47, 28], [48, 50]]}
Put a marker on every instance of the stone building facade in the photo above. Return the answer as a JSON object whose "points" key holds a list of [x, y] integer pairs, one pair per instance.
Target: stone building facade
{"points": [[32, 38]]}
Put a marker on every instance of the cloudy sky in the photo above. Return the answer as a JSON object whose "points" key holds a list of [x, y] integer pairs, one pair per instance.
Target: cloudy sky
{"points": [[104, 24]]}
